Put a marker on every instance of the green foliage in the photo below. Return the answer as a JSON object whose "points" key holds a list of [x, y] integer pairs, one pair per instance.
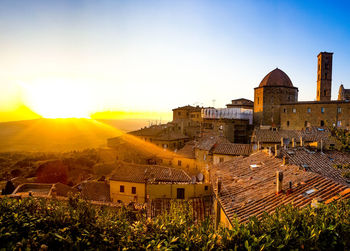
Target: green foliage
{"points": [[343, 136], [346, 174], [77, 225], [342, 166]]}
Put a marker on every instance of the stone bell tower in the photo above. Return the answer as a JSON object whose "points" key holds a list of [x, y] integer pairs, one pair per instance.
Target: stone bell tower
{"points": [[324, 76]]}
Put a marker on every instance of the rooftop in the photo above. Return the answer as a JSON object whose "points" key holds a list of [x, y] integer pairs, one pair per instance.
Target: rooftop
{"points": [[189, 108], [152, 173], [207, 142], [188, 151], [232, 149], [166, 132], [311, 134], [276, 77], [319, 162], [249, 189]]}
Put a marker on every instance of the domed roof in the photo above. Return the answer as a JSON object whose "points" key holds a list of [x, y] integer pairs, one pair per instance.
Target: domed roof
{"points": [[276, 77]]}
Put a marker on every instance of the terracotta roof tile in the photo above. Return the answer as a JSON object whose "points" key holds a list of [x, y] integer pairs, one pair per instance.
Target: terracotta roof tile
{"points": [[232, 149], [251, 190], [188, 151], [207, 142], [319, 162], [312, 134], [153, 173]]}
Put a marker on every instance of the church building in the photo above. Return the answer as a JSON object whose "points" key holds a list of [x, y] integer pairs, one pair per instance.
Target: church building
{"points": [[276, 101]]}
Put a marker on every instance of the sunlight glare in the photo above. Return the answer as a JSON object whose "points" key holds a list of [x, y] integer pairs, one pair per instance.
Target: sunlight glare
{"points": [[58, 98]]}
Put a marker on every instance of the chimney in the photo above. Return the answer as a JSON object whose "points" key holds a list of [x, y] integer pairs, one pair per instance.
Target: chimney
{"points": [[277, 151], [279, 181], [301, 141], [293, 142], [285, 160]]}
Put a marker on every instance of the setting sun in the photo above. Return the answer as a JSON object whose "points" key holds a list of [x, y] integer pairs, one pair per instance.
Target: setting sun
{"points": [[57, 98]]}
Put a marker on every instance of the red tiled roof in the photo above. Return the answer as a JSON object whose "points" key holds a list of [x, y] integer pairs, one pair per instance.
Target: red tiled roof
{"points": [[152, 173], [324, 190], [248, 191], [189, 108], [188, 150], [319, 162], [207, 142], [232, 149]]}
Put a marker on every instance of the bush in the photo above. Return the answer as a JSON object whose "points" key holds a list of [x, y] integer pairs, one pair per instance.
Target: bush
{"points": [[76, 224]]}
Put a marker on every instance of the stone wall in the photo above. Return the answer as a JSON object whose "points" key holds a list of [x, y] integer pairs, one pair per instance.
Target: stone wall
{"points": [[305, 114], [267, 102]]}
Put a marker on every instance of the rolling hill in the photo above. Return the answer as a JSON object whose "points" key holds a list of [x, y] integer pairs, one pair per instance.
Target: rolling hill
{"points": [[61, 134]]}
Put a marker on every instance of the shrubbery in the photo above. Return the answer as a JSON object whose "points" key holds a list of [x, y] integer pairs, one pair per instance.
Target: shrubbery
{"points": [[73, 225]]}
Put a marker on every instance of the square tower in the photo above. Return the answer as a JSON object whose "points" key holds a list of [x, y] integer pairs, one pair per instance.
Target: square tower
{"points": [[324, 76]]}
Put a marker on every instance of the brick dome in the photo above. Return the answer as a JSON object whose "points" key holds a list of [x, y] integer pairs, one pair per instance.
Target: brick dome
{"points": [[276, 77]]}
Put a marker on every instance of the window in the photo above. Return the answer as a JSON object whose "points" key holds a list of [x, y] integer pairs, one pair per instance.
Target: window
{"points": [[322, 123], [122, 189], [258, 100], [179, 113], [325, 92], [294, 110], [322, 109], [339, 109], [221, 159], [288, 123], [285, 110], [133, 190], [206, 188], [180, 193], [179, 163], [308, 110], [305, 124], [339, 123]]}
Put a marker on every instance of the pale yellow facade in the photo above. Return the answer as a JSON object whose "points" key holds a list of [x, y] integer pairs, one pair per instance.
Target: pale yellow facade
{"points": [[190, 166], [127, 196], [219, 158], [155, 191]]}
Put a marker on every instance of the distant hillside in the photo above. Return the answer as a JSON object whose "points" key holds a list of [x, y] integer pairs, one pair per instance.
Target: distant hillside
{"points": [[61, 134]]}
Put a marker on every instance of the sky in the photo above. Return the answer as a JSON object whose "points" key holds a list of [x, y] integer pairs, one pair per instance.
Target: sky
{"points": [[76, 58]]}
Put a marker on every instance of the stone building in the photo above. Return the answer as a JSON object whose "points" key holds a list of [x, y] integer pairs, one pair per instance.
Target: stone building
{"points": [[241, 103], [276, 101], [276, 88], [305, 114], [343, 94]]}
